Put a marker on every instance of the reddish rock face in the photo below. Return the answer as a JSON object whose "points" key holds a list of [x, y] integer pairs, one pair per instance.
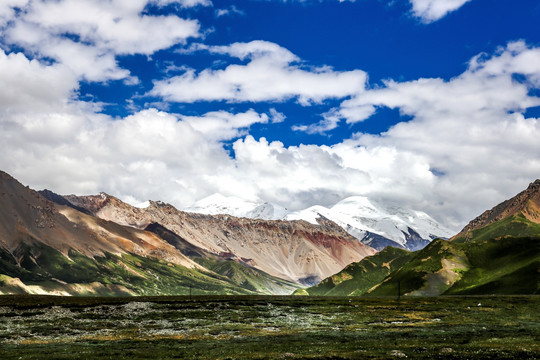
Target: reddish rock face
{"points": [[292, 250], [526, 202]]}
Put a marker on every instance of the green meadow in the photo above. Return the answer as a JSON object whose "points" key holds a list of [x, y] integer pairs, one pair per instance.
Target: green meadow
{"points": [[269, 327]]}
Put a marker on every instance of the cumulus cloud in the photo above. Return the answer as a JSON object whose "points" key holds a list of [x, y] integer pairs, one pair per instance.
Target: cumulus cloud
{"points": [[432, 10], [222, 125], [87, 35], [272, 73], [31, 83], [70, 147]]}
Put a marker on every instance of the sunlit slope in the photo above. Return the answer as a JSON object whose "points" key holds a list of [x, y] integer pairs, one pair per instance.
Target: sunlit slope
{"points": [[238, 272]]}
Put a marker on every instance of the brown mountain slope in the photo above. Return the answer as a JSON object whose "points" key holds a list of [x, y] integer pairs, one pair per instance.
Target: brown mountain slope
{"points": [[526, 203], [27, 218], [291, 250]]}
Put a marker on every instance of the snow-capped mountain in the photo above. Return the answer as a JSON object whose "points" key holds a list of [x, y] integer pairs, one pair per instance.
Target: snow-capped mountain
{"points": [[218, 204], [374, 223], [378, 224]]}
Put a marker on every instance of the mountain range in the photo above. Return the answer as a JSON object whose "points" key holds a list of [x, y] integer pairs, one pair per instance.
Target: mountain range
{"points": [[496, 253], [375, 223], [100, 245], [53, 244]]}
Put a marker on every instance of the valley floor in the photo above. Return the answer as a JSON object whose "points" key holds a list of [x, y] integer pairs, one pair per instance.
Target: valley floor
{"points": [[271, 327]]}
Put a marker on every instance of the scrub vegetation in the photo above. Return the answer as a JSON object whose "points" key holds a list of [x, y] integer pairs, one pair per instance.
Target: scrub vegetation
{"points": [[269, 327]]}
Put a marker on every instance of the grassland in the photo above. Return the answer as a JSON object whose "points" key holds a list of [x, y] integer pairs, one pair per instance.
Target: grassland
{"points": [[269, 327]]}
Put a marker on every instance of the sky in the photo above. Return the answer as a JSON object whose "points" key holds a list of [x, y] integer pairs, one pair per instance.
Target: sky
{"points": [[431, 104]]}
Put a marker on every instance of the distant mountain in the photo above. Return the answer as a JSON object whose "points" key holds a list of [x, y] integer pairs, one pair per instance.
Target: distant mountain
{"points": [[497, 253], [379, 224], [218, 204], [376, 224], [291, 250]]}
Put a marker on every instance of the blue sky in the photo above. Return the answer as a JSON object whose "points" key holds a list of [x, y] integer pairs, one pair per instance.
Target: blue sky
{"points": [[432, 104]]}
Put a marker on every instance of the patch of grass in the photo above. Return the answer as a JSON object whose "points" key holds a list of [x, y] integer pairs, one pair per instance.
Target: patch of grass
{"points": [[501, 266]]}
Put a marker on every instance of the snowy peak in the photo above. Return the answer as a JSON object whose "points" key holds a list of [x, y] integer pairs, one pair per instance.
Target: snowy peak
{"points": [[267, 211], [377, 223], [374, 223], [219, 204]]}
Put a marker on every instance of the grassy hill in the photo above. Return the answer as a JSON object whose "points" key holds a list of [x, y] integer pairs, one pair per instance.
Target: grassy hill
{"points": [[501, 258], [358, 278]]}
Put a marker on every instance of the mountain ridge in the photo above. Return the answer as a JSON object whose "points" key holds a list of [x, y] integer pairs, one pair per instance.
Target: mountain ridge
{"points": [[51, 248], [374, 223], [527, 202], [293, 250]]}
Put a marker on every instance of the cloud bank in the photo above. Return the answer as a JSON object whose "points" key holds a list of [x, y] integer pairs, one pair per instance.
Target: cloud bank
{"points": [[467, 144]]}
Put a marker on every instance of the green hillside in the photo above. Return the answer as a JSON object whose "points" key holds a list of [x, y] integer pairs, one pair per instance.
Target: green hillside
{"points": [[515, 226], [501, 258], [507, 265], [358, 278], [430, 271], [39, 268]]}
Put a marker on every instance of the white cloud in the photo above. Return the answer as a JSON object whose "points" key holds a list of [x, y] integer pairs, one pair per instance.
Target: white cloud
{"points": [[330, 121], [7, 9], [231, 10], [272, 74], [69, 147], [433, 10], [87, 35], [183, 3], [222, 125], [30, 82]]}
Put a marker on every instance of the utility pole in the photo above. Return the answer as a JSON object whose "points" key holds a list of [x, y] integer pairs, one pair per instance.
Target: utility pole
{"points": [[190, 291], [398, 290]]}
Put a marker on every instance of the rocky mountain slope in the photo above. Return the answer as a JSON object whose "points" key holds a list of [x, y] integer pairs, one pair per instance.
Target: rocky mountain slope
{"points": [[53, 248], [292, 250], [526, 204], [497, 253]]}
